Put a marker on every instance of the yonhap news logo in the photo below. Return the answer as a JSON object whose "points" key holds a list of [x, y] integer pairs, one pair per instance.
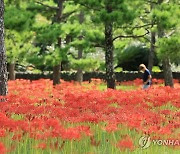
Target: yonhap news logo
{"points": [[146, 141]]}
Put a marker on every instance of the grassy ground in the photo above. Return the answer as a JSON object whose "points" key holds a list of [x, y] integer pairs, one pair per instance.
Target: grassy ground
{"points": [[118, 87]]}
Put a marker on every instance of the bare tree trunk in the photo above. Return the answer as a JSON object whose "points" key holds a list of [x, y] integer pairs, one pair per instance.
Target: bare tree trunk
{"points": [[57, 68], [79, 75], [11, 69], [168, 76], [56, 74], [109, 55], [153, 41], [110, 76], [3, 64], [152, 52]]}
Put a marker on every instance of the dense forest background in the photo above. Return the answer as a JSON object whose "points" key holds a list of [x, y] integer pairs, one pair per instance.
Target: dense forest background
{"points": [[92, 35]]}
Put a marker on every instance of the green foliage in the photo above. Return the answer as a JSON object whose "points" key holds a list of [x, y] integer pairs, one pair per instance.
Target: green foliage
{"points": [[18, 45], [18, 19], [19, 36], [21, 17], [87, 64], [84, 36], [169, 47], [120, 11], [38, 61], [167, 15], [156, 69], [48, 57], [118, 69], [133, 55], [43, 10], [56, 55], [49, 34], [102, 66]]}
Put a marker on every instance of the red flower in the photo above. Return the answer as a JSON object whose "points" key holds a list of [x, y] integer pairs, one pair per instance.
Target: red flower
{"points": [[42, 146], [71, 134], [2, 133], [17, 137], [2, 148], [126, 143], [111, 127]]}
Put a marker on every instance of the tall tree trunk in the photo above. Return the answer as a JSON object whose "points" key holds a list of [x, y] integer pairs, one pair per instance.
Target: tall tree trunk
{"points": [[79, 75], [110, 76], [56, 74], [152, 52], [153, 41], [57, 68], [11, 69], [109, 55], [3, 64], [168, 76]]}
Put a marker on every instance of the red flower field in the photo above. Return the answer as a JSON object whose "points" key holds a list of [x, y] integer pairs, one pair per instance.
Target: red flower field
{"points": [[73, 118]]}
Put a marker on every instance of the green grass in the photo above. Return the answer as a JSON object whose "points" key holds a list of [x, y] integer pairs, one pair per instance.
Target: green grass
{"points": [[103, 87], [107, 143]]}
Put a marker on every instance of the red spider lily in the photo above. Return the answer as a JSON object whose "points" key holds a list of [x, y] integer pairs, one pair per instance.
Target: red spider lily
{"points": [[42, 146], [71, 134], [85, 129], [111, 127], [2, 148], [126, 143], [41, 111], [17, 137], [165, 112], [2, 133], [167, 130]]}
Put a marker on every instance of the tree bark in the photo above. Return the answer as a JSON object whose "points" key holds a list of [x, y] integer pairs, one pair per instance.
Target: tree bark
{"points": [[168, 76], [152, 44], [56, 74], [109, 55], [152, 52], [57, 68], [79, 75], [11, 69], [3, 63]]}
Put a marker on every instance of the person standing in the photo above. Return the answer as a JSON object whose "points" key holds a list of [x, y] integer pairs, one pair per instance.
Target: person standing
{"points": [[146, 76]]}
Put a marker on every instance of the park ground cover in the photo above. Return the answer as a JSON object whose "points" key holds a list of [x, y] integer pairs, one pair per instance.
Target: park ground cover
{"points": [[69, 118]]}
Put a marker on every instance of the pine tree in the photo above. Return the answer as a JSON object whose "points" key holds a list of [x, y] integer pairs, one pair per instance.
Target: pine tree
{"points": [[18, 34], [167, 14], [111, 14], [53, 10], [57, 68]]}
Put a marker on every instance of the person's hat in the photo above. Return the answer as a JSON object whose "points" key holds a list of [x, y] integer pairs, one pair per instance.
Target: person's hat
{"points": [[141, 66]]}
